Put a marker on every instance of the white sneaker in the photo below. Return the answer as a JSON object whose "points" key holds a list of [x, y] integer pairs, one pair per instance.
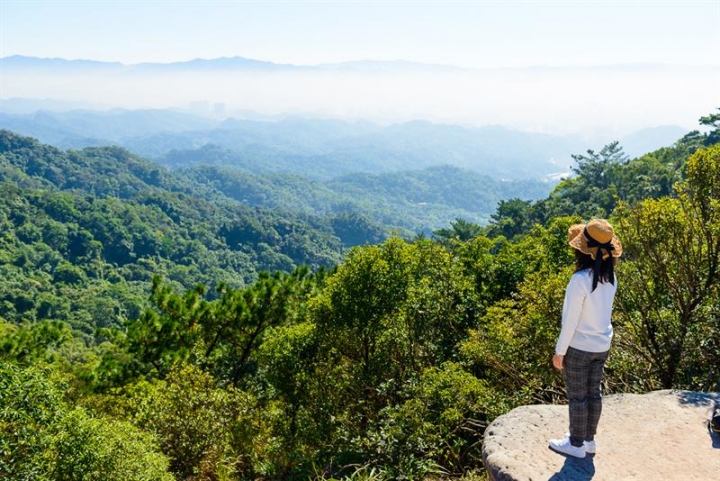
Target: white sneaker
{"points": [[563, 446], [589, 445]]}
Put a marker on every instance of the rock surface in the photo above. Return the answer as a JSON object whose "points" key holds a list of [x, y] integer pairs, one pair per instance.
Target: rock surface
{"points": [[662, 435]]}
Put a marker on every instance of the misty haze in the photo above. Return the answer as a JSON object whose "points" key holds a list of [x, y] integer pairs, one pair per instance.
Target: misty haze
{"points": [[592, 101]]}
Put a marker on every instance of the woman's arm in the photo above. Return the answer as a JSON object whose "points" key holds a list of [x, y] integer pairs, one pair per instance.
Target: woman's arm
{"points": [[572, 308]]}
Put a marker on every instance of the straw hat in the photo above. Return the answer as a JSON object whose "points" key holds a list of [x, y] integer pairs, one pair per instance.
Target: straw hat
{"points": [[574, 231], [596, 234]]}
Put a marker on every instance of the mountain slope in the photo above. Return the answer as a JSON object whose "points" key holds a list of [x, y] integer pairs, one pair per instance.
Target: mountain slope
{"points": [[326, 149], [318, 149], [183, 211], [407, 202], [83, 128]]}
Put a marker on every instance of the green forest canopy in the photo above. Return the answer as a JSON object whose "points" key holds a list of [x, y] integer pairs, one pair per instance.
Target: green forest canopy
{"points": [[389, 364]]}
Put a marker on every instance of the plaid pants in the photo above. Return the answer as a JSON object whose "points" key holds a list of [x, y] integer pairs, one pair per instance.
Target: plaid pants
{"points": [[582, 372]]}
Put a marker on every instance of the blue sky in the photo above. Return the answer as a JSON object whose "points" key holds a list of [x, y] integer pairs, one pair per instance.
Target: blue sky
{"points": [[470, 33]]}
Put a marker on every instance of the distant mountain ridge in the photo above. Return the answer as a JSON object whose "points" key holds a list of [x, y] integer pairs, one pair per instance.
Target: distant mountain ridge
{"points": [[650, 139], [203, 64], [319, 148], [26, 62], [316, 148], [86, 128], [238, 62], [23, 61]]}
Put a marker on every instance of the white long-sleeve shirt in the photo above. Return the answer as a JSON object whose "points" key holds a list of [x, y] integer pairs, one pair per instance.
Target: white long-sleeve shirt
{"points": [[586, 315]]}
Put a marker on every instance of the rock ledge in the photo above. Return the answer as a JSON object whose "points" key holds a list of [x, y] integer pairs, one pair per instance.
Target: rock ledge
{"points": [[662, 435]]}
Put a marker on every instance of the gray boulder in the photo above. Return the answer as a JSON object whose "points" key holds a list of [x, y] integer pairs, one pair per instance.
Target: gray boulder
{"points": [[661, 435]]}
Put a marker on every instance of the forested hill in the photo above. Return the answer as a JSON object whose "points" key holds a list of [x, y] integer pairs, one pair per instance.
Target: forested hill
{"points": [[76, 224], [389, 366], [405, 202]]}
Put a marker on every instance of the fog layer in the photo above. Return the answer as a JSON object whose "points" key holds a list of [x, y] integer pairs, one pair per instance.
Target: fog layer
{"points": [[552, 100]]}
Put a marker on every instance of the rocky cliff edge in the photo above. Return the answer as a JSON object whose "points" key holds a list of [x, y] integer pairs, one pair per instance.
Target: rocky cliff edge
{"points": [[662, 435]]}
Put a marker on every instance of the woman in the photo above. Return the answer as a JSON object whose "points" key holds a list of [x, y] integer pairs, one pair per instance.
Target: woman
{"points": [[584, 341]]}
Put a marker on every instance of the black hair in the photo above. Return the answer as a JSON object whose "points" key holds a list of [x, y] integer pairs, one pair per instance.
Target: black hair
{"points": [[606, 271]]}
